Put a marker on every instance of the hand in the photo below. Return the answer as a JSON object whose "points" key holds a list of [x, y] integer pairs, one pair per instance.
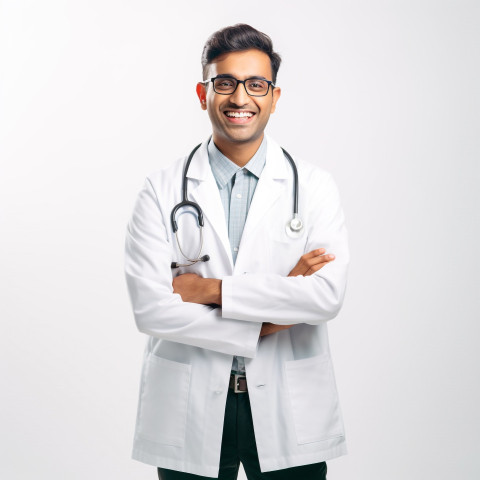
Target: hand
{"points": [[195, 289], [268, 328], [309, 263]]}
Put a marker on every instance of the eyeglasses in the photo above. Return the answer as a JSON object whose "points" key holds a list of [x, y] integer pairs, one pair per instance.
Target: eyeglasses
{"points": [[226, 85]]}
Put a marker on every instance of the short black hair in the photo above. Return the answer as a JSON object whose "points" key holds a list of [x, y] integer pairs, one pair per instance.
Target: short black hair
{"points": [[236, 38]]}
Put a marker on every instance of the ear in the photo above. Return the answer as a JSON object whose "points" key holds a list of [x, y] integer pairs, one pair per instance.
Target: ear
{"points": [[202, 95], [277, 91]]}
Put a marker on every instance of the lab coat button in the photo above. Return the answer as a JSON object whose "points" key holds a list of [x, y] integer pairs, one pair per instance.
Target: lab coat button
{"points": [[218, 392], [260, 385]]}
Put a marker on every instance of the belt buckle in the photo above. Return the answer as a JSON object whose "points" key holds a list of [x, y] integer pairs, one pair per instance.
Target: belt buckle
{"points": [[235, 385]]}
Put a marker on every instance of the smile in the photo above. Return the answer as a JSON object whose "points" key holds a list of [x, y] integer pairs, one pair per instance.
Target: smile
{"points": [[239, 117]]}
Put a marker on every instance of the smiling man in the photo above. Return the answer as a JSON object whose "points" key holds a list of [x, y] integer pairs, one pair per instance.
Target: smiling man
{"points": [[237, 367], [239, 119]]}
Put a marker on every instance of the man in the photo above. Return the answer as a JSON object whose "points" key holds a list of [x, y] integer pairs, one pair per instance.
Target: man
{"points": [[237, 366]]}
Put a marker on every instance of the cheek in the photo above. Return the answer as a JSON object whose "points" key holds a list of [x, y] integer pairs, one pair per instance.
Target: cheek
{"points": [[266, 108], [265, 115], [213, 109], [212, 113]]}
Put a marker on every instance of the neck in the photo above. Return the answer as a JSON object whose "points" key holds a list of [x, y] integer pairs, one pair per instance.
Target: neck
{"points": [[238, 153]]}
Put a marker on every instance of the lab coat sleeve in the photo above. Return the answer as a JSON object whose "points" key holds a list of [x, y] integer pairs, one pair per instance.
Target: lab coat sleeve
{"points": [[283, 300], [157, 310]]}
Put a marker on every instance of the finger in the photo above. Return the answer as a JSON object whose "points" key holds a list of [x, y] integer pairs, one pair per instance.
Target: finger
{"points": [[316, 268], [304, 265], [313, 253], [318, 259], [321, 258], [307, 260]]}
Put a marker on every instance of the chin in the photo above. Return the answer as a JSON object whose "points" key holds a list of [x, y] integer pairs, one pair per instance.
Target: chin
{"points": [[243, 137]]}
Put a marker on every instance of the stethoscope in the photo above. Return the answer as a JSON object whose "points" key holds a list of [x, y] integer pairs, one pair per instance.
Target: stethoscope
{"points": [[294, 227]]}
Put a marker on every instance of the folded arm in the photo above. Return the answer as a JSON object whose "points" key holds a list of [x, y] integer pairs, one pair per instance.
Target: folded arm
{"points": [[193, 288], [311, 299], [309, 294], [159, 311]]}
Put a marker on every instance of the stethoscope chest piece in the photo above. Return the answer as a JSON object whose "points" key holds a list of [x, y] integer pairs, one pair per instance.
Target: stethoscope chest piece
{"points": [[294, 227]]}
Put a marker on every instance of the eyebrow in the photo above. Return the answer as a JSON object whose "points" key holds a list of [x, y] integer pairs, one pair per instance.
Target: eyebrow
{"points": [[229, 75]]}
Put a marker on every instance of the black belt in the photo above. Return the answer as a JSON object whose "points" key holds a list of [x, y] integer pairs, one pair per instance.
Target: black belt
{"points": [[238, 383]]}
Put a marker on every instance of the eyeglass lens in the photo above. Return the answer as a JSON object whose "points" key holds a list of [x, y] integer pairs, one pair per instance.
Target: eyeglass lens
{"points": [[228, 85]]}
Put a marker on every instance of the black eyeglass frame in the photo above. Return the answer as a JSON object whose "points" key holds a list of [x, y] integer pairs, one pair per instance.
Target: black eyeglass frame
{"points": [[238, 82]]}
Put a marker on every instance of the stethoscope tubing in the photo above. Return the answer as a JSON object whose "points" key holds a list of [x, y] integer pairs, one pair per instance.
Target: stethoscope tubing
{"points": [[295, 182], [186, 202]]}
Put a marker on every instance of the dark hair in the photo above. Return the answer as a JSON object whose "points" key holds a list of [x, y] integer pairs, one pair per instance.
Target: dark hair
{"points": [[237, 38]]}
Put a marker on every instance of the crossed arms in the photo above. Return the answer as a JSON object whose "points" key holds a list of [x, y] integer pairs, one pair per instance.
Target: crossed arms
{"points": [[195, 289], [181, 310]]}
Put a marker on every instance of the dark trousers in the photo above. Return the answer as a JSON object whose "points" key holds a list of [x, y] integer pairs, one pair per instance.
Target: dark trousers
{"points": [[238, 445]]}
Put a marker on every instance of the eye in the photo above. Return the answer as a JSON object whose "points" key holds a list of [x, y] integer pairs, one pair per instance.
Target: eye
{"points": [[224, 83], [257, 85]]}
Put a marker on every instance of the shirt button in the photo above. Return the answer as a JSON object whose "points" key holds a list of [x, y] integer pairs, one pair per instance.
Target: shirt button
{"points": [[235, 249], [238, 195]]}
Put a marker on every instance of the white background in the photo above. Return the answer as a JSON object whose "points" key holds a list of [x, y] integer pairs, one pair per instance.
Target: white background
{"points": [[96, 94]]}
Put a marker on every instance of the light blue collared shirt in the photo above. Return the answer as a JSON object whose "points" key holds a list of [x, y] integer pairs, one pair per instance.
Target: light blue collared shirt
{"points": [[236, 186]]}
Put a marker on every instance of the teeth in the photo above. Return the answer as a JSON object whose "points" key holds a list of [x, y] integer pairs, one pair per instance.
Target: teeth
{"points": [[239, 114]]}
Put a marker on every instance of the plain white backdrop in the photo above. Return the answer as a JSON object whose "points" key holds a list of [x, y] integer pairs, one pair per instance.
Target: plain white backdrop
{"points": [[96, 94]]}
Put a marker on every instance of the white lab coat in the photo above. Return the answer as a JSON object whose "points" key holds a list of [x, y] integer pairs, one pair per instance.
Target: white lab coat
{"points": [[184, 383]]}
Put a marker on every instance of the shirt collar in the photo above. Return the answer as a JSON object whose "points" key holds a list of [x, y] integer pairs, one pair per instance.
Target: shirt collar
{"points": [[224, 169]]}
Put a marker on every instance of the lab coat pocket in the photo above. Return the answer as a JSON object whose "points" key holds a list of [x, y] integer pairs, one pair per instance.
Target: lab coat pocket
{"points": [[284, 254], [283, 251], [314, 399], [163, 406]]}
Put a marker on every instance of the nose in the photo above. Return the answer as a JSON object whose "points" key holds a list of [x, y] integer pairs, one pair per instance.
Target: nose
{"points": [[240, 96]]}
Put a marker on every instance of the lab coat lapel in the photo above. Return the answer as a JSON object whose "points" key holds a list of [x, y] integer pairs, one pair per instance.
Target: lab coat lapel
{"points": [[204, 191], [269, 187]]}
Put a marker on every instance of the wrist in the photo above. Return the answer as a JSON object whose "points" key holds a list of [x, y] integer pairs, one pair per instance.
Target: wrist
{"points": [[215, 291]]}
